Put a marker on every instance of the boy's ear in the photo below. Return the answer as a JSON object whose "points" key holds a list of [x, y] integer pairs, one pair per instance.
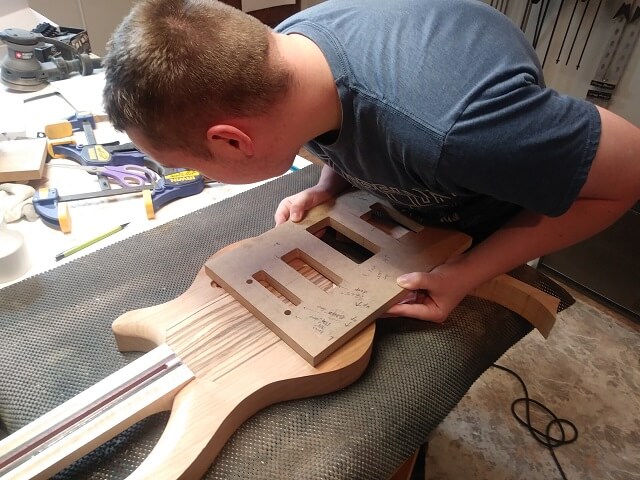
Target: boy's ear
{"points": [[232, 137]]}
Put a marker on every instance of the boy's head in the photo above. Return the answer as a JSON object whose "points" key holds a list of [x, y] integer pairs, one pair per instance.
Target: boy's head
{"points": [[176, 67]]}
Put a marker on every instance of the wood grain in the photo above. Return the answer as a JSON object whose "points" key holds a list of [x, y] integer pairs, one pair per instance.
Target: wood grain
{"points": [[241, 366], [537, 307], [22, 160]]}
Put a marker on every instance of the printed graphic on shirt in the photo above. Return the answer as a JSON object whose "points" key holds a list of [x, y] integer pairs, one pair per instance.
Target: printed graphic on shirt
{"points": [[413, 199]]}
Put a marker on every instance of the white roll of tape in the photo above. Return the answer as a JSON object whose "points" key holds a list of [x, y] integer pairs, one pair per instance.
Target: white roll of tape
{"points": [[14, 260]]}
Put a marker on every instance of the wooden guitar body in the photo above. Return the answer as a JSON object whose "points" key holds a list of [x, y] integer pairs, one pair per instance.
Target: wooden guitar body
{"points": [[241, 367], [215, 363], [229, 367]]}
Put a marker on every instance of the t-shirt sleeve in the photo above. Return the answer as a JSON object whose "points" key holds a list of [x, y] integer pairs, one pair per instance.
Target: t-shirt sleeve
{"points": [[522, 143]]}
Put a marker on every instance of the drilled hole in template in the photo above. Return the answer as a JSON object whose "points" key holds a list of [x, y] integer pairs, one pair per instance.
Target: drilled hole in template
{"points": [[312, 270], [340, 238], [276, 288], [389, 221]]}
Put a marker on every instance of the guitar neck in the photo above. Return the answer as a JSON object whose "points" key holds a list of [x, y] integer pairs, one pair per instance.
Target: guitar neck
{"points": [[73, 429]]}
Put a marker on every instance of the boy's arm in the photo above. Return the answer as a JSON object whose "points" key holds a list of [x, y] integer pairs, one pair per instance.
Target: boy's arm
{"points": [[611, 188]]}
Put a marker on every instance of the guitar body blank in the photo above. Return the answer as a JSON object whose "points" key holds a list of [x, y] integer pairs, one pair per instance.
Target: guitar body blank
{"points": [[240, 367]]}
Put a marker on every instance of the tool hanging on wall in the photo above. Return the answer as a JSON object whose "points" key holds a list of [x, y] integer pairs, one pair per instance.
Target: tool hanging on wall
{"points": [[525, 19], [525, 16], [542, 14], [553, 31], [501, 5], [575, 37], [566, 32], [617, 54], [586, 41]]}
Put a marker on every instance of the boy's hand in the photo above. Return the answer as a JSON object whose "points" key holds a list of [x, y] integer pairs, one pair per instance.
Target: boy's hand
{"points": [[433, 294], [295, 206]]}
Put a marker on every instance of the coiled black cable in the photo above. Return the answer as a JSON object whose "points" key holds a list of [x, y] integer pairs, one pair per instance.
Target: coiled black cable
{"points": [[541, 437]]}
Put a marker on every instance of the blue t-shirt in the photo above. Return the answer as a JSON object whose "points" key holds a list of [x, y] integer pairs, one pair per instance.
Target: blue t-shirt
{"points": [[445, 112]]}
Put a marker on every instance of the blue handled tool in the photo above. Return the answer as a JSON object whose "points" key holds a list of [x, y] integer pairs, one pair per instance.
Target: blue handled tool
{"points": [[125, 175], [104, 155], [96, 155], [79, 121], [177, 183]]}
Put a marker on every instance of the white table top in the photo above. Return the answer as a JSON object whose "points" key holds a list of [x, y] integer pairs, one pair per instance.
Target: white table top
{"points": [[92, 217]]}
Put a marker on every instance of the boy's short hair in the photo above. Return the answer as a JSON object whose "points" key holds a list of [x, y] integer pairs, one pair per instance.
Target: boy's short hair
{"points": [[174, 67]]}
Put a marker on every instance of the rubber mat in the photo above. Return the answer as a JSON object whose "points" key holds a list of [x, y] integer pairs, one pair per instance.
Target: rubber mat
{"points": [[57, 341]]}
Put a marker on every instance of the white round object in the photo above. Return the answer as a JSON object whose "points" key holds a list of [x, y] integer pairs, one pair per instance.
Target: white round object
{"points": [[14, 260]]}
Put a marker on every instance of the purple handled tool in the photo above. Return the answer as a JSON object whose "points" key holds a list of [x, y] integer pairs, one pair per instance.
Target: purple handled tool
{"points": [[126, 175]]}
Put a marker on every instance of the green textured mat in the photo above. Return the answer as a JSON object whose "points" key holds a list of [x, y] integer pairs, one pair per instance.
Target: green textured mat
{"points": [[57, 341]]}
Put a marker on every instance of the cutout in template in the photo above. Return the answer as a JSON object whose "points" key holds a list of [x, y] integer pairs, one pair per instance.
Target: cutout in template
{"points": [[340, 238], [312, 270], [390, 221], [277, 289]]}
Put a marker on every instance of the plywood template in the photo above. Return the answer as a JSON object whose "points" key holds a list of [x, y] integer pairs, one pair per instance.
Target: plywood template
{"points": [[313, 321], [22, 160]]}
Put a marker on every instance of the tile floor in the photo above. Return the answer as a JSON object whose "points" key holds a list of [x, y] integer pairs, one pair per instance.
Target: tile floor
{"points": [[587, 371]]}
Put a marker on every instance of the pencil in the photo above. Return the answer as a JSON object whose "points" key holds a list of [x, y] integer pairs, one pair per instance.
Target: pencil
{"points": [[73, 250]]}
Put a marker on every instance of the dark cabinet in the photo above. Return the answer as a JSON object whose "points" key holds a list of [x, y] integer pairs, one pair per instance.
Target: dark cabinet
{"points": [[606, 266]]}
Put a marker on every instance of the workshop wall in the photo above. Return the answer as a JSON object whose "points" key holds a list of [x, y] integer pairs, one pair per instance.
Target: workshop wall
{"points": [[10, 6], [99, 18], [574, 78], [309, 3]]}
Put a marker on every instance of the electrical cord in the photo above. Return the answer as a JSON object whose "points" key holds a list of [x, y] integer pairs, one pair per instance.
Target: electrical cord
{"points": [[541, 437]]}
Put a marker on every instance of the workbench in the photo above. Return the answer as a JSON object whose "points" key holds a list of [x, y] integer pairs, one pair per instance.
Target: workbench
{"points": [[90, 217], [57, 339]]}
